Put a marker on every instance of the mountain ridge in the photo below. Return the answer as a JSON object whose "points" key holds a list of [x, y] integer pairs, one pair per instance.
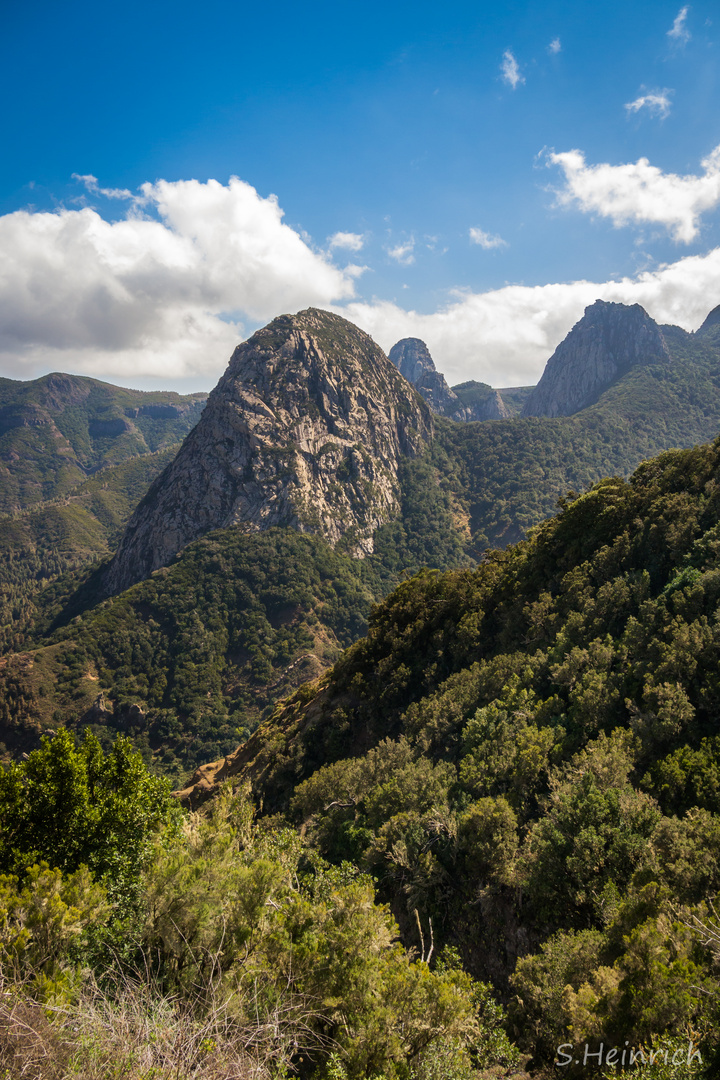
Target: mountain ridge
{"points": [[57, 430], [471, 487]]}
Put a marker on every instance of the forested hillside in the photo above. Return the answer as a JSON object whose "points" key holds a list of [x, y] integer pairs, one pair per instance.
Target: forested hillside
{"points": [[511, 472], [76, 456], [520, 760], [190, 660], [193, 658], [57, 430], [527, 755]]}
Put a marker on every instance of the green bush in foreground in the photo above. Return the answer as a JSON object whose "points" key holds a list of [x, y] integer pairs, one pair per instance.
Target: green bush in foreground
{"points": [[259, 954], [255, 917], [71, 805]]}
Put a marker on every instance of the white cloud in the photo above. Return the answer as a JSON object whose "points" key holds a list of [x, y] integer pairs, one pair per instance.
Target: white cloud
{"points": [[657, 103], [504, 337], [163, 296], [679, 32], [152, 296], [486, 240], [91, 183], [403, 253], [641, 193], [350, 241], [510, 70], [555, 46], [352, 270]]}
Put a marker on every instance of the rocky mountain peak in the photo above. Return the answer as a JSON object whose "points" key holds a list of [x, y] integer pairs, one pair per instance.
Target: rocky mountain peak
{"points": [[468, 401], [306, 429], [478, 401], [608, 341], [57, 390], [412, 358], [494, 408]]}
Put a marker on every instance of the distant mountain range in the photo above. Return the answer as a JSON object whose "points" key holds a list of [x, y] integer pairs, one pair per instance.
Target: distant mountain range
{"points": [[315, 479], [76, 456], [60, 429], [308, 428]]}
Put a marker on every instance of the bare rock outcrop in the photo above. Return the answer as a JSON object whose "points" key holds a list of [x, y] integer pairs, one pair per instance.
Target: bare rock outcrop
{"points": [[412, 358], [466, 402], [478, 401], [603, 346], [492, 408], [305, 429]]}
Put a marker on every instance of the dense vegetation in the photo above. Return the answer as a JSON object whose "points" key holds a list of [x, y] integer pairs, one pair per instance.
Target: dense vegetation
{"points": [[61, 538], [477, 485], [521, 761], [57, 430], [512, 472], [76, 456], [514, 774], [149, 946], [527, 754], [189, 661]]}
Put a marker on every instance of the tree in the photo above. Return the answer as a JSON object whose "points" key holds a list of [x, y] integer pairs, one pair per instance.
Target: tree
{"points": [[71, 804]]}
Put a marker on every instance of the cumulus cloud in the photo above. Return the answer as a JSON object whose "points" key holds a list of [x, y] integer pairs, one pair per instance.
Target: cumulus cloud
{"points": [[679, 32], [505, 336], [555, 46], [510, 70], [164, 292], [657, 103], [486, 240], [161, 292], [350, 241], [641, 193], [403, 253]]}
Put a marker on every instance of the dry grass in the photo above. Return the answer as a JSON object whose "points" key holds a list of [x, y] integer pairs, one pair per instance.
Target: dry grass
{"points": [[139, 1034]]}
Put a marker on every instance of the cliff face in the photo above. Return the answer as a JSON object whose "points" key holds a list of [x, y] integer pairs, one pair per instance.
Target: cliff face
{"points": [[469, 401], [478, 401], [412, 358], [492, 408], [305, 429], [608, 341]]}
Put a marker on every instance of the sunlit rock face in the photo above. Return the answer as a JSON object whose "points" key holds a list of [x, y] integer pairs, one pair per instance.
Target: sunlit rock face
{"points": [[305, 429]]}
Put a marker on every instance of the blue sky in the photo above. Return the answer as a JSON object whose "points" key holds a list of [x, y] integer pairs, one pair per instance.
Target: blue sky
{"points": [[420, 156]]}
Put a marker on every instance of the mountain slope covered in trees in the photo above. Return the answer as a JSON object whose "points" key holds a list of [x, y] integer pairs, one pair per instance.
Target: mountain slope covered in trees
{"points": [[470, 487], [519, 760], [511, 472], [189, 660], [76, 456], [527, 754], [57, 430]]}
